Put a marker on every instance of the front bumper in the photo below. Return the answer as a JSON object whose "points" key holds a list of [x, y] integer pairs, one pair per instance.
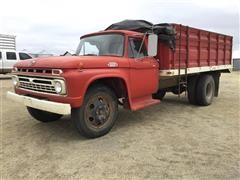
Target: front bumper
{"points": [[54, 107]]}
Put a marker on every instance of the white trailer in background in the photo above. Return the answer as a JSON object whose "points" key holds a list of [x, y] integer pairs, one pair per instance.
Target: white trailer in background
{"points": [[7, 42], [8, 54]]}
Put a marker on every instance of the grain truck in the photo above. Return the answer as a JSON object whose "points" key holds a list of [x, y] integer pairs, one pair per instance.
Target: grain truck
{"points": [[131, 64]]}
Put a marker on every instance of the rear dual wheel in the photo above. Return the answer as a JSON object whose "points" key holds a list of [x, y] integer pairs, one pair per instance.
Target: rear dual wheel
{"points": [[201, 90], [205, 90], [191, 90]]}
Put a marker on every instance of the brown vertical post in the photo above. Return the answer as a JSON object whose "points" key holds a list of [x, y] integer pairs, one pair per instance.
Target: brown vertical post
{"points": [[180, 48], [231, 60], [199, 48], [209, 48], [224, 51], [187, 41], [187, 61], [217, 49], [173, 52], [173, 59], [179, 61]]}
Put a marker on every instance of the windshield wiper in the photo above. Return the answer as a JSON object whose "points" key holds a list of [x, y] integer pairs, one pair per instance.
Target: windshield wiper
{"points": [[90, 55], [115, 55]]}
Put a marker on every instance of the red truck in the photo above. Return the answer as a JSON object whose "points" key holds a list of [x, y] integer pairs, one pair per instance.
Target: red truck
{"points": [[132, 63]]}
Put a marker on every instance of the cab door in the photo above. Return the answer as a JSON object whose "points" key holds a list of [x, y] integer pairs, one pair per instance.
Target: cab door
{"points": [[143, 69]]}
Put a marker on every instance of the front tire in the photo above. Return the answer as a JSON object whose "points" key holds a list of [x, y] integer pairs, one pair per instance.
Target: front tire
{"points": [[43, 116], [98, 112]]}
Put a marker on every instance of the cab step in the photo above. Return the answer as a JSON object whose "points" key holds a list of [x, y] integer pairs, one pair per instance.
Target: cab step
{"points": [[142, 102]]}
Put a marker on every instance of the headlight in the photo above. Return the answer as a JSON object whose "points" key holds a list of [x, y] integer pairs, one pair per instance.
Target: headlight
{"points": [[15, 80], [59, 86]]}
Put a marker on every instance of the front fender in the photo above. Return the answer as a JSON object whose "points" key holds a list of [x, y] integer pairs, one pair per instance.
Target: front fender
{"points": [[79, 81]]}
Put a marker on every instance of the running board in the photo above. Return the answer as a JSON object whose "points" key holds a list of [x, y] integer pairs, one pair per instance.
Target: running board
{"points": [[142, 102]]}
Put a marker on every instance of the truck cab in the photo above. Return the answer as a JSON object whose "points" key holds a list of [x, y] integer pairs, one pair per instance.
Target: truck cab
{"points": [[125, 54], [109, 68]]}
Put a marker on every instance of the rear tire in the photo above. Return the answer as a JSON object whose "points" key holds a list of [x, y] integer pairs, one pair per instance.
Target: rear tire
{"points": [[98, 112], [205, 90], [191, 90], [43, 116]]}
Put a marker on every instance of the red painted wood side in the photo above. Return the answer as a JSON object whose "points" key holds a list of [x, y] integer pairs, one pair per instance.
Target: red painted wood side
{"points": [[198, 48]]}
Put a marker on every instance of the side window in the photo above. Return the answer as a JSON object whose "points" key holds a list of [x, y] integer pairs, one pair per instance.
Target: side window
{"points": [[0, 55], [134, 45], [24, 56], [11, 56]]}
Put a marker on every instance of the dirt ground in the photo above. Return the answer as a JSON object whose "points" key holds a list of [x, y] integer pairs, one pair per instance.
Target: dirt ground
{"points": [[172, 140]]}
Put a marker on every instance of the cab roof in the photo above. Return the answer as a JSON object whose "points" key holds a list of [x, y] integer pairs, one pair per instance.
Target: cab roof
{"points": [[125, 32]]}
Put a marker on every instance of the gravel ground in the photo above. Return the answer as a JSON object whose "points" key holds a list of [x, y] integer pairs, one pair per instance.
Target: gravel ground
{"points": [[172, 140]]}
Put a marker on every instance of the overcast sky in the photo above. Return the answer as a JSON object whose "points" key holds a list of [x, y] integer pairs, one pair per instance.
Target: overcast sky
{"points": [[54, 26]]}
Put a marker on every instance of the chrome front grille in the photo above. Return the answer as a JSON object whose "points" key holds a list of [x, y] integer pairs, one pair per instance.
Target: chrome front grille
{"points": [[37, 84], [47, 71], [38, 71]]}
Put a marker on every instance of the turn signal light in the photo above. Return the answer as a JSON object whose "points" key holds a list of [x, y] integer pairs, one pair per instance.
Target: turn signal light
{"points": [[57, 71]]}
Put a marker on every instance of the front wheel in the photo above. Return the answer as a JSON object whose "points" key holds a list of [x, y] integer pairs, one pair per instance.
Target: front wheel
{"points": [[43, 116], [98, 112]]}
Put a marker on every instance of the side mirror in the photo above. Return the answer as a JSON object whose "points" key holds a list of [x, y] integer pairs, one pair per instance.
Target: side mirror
{"points": [[152, 44]]}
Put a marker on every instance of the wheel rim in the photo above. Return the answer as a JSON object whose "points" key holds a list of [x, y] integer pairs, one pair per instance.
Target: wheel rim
{"points": [[98, 111], [209, 91]]}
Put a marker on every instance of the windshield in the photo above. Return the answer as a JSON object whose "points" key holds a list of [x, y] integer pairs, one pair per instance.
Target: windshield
{"points": [[101, 45]]}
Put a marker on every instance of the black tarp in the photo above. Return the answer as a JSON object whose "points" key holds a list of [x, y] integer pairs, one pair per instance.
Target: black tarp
{"points": [[165, 32]]}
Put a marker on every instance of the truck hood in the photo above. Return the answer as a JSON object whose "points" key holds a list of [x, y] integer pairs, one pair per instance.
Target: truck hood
{"points": [[71, 62]]}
